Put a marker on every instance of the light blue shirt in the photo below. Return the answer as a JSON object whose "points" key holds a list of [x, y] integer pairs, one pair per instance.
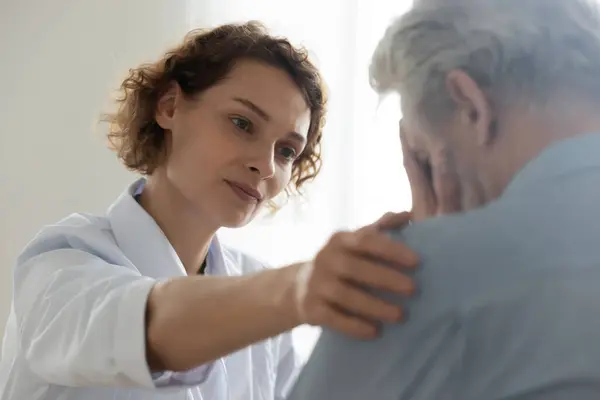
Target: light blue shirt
{"points": [[77, 326], [510, 300]]}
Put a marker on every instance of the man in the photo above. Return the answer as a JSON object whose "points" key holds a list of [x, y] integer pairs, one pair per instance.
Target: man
{"points": [[500, 97]]}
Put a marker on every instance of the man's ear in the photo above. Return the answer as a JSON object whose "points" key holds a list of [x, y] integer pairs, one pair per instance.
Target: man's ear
{"points": [[472, 104], [165, 108]]}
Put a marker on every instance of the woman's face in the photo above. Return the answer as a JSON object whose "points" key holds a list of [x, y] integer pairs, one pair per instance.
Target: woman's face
{"points": [[231, 149]]}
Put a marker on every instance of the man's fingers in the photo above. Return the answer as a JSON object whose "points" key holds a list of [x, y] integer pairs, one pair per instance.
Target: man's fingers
{"points": [[423, 195], [446, 187], [410, 162], [448, 195]]}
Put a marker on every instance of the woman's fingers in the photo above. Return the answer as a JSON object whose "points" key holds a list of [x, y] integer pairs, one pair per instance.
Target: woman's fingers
{"points": [[336, 319], [392, 220], [373, 275], [373, 243], [341, 288], [358, 302]]}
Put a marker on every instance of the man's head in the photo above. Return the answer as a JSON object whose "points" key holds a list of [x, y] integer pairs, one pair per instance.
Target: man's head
{"points": [[490, 83]]}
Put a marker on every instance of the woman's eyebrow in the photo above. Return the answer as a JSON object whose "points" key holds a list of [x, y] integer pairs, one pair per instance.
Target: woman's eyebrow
{"points": [[253, 107]]}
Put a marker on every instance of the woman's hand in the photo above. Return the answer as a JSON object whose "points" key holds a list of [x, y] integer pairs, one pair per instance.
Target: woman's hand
{"points": [[434, 185], [333, 290]]}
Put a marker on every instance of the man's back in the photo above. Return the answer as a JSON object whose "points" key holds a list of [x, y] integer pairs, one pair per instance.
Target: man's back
{"points": [[510, 302]]}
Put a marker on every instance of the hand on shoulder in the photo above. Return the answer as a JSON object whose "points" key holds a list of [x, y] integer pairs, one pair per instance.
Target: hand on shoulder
{"points": [[334, 290]]}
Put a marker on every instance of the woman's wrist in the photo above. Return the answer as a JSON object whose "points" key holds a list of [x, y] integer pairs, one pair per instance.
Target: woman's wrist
{"points": [[284, 300]]}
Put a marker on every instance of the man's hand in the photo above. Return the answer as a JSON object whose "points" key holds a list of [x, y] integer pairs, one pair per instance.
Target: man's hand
{"points": [[434, 185]]}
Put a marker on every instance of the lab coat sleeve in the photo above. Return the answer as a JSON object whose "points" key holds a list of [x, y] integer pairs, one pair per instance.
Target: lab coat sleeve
{"points": [[81, 319], [288, 366], [190, 378]]}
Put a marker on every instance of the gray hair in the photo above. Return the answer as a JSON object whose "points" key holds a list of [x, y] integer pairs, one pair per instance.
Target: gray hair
{"points": [[527, 48]]}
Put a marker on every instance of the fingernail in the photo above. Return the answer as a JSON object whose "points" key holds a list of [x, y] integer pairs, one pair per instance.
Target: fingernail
{"points": [[400, 317], [407, 289], [377, 331], [371, 334], [413, 287], [415, 259], [394, 316]]}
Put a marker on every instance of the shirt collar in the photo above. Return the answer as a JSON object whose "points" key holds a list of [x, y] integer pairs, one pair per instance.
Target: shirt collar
{"points": [[144, 243], [560, 159]]}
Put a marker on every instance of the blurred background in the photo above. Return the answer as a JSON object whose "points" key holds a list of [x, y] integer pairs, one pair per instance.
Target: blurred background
{"points": [[61, 60]]}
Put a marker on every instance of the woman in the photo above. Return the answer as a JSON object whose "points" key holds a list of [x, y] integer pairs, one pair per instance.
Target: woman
{"points": [[144, 302]]}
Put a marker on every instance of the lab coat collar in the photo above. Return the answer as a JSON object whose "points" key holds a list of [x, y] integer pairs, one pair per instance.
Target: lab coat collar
{"points": [[144, 243]]}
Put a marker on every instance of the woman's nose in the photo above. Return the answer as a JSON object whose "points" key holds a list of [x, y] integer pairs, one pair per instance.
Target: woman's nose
{"points": [[263, 163]]}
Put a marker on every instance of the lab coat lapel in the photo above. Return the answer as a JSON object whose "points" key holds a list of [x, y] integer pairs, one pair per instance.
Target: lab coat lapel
{"points": [[141, 239], [220, 260]]}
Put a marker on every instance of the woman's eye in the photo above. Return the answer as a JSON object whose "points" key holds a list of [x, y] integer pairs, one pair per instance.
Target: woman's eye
{"points": [[288, 153], [242, 123]]}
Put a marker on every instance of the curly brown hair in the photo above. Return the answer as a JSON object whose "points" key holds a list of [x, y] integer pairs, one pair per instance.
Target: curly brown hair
{"points": [[203, 59]]}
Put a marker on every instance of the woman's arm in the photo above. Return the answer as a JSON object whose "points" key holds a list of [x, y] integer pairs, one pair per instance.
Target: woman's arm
{"points": [[85, 322], [195, 320]]}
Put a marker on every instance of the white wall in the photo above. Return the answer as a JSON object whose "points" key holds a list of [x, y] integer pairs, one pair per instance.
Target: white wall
{"points": [[59, 61]]}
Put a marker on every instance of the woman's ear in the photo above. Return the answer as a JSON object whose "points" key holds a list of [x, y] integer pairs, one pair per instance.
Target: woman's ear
{"points": [[165, 108], [475, 110]]}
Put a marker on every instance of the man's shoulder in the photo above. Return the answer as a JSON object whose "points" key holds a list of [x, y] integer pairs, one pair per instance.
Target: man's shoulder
{"points": [[464, 236], [462, 254]]}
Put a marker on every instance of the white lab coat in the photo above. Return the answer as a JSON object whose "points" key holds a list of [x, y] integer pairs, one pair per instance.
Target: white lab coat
{"points": [[76, 330]]}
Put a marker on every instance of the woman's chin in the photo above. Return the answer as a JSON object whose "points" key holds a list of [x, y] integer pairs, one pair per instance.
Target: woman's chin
{"points": [[237, 218]]}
